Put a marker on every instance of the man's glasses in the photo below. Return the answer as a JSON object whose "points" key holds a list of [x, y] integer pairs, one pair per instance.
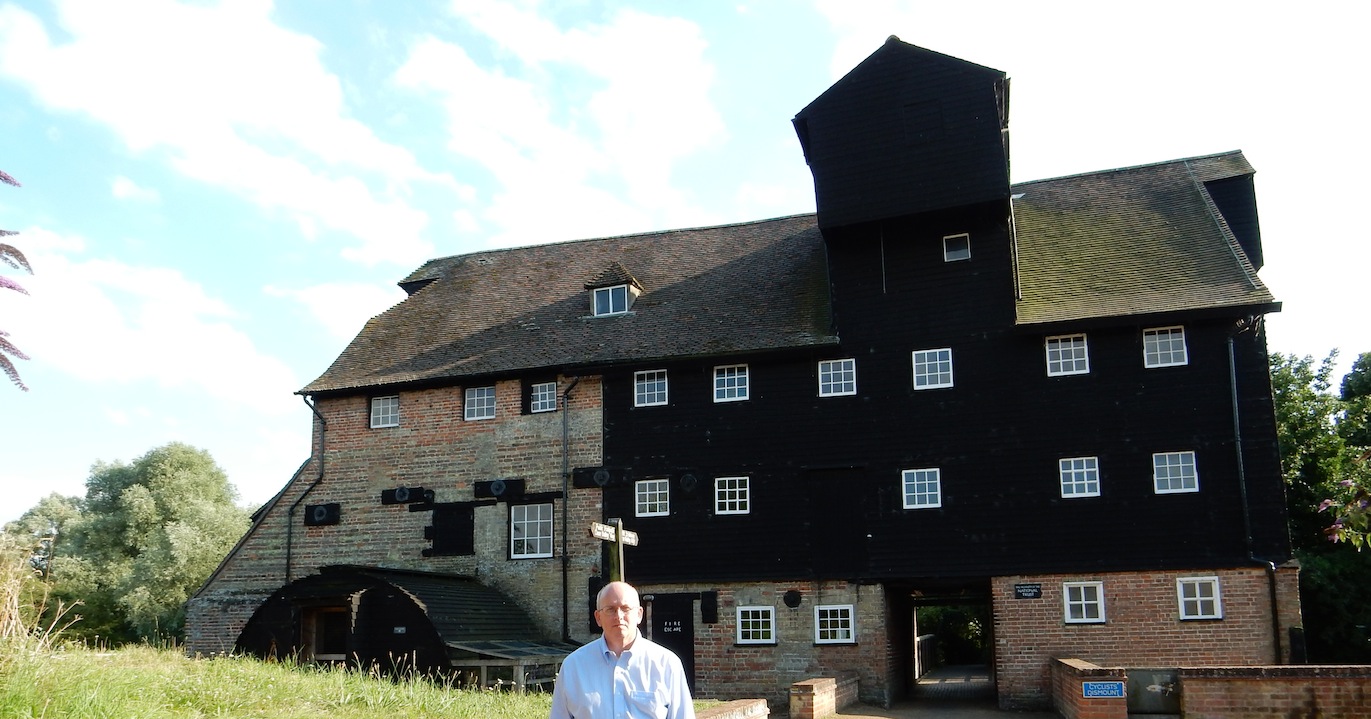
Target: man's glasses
{"points": [[625, 609]]}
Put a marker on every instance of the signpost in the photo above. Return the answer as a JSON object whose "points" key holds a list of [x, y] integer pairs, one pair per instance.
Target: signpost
{"points": [[619, 536]]}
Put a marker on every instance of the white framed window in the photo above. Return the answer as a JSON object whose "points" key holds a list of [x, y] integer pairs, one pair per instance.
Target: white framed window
{"points": [[1164, 347], [1174, 472], [1067, 354], [730, 383], [837, 377], [923, 488], [1198, 598], [385, 411], [933, 368], [649, 388], [1080, 476], [610, 300], [542, 397], [756, 625], [651, 498], [480, 403], [1083, 602], [530, 531], [833, 624], [956, 247], [732, 495]]}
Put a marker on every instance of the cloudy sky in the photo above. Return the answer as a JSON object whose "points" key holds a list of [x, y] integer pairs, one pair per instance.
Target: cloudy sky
{"points": [[217, 195]]}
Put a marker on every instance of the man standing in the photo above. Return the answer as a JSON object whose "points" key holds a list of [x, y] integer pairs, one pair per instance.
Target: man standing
{"points": [[621, 675]]}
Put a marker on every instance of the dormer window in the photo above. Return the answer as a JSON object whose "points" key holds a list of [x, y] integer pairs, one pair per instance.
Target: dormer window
{"points": [[611, 300]]}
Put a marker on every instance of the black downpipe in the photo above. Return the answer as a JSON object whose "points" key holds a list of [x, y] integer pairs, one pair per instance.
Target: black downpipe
{"points": [[1242, 326], [566, 499], [290, 515]]}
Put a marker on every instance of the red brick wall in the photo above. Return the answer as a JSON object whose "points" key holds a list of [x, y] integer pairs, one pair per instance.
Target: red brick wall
{"points": [[1069, 699], [1142, 627], [726, 670], [434, 448], [1327, 692]]}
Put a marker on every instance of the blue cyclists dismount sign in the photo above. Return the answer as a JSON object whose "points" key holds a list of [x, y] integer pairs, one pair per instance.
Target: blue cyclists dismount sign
{"points": [[1101, 689]]}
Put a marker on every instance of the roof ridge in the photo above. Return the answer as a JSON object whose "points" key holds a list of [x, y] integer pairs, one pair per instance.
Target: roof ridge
{"points": [[1126, 168]]}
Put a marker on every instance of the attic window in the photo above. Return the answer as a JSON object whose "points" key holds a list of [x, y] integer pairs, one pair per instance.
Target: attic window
{"points": [[957, 247], [611, 300]]}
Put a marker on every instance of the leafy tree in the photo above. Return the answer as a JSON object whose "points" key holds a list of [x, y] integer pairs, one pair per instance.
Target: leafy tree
{"points": [[1320, 460], [145, 537], [11, 256], [1349, 504]]}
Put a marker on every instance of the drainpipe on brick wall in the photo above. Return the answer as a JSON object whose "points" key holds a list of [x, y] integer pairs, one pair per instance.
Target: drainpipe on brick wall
{"points": [[290, 515], [1244, 325], [566, 499]]}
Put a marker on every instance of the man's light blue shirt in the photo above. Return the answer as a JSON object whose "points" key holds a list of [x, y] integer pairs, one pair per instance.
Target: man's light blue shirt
{"points": [[646, 681]]}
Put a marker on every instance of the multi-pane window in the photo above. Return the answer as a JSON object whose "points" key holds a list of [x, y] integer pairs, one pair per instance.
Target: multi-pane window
{"points": [[756, 625], [1164, 347], [730, 383], [833, 624], [543, 397], [933, 368], [652, 498], [649, 388], [837, 377], [611, 300], [1083, 602], [1174, 472], [530, 531], [922, 488], [1198, 598], [385, 411], [957, 247], [1067, 354], [1080, 476], [732, 495], [480, 403]]}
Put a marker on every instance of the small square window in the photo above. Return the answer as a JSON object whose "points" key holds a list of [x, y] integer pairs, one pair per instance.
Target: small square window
{"points": [[1164, 347], [1083, 602], [1067, 354], [732, 495], [652, 498], [385, 411], [1080, 476], [730, 383], [1198, 598], [530, 531], [957, 247], [543, 397], [756, 625], [833, 624], [649, 388], [610, 300], [933, 368], [837, 377], [922, 488], [1174, 472], [480, 403]]}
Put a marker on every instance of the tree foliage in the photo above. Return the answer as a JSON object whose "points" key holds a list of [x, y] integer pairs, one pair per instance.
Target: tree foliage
{"points": [[11, 256], [145, 536]]}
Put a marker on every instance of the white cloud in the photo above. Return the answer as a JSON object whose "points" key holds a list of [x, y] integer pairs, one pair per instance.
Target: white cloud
{"points": [[343, 308], [103, 321], [574, 127], [235, 101], [126, 189]]}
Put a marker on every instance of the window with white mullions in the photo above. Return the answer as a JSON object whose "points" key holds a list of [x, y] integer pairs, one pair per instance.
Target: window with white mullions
{"points": [[1067, 355], [837, 377], [933, 368], [833, 624], [652, 498], [1198, 598], [480, 403], [1164, 347], [1174, 472], [543, 397], [922, 488], [730, 383], [385, 411], [1080, 476], [610, 300], [649, 388], [1083, 602], [731, 495], [530, 531], [756, 625]]}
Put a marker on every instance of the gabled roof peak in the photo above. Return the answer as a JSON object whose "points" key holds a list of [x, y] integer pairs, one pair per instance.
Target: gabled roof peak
{"points": [[615, 274]]}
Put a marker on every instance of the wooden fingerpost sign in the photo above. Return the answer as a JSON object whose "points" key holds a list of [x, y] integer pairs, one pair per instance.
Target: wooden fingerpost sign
{"points": [[619, 536]]}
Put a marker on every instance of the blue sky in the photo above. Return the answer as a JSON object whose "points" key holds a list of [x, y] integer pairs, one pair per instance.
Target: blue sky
{"points": [[218, 195]]}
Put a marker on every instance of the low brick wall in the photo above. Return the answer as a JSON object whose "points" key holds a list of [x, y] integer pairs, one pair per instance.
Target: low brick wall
{"points": [[822, 696], [1327, 692], [736, 709], [1068, 695]]}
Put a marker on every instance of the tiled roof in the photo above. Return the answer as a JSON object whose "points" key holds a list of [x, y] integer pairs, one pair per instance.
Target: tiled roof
{"points": [[740, 288], [1133, 241], [1129, 242]]}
